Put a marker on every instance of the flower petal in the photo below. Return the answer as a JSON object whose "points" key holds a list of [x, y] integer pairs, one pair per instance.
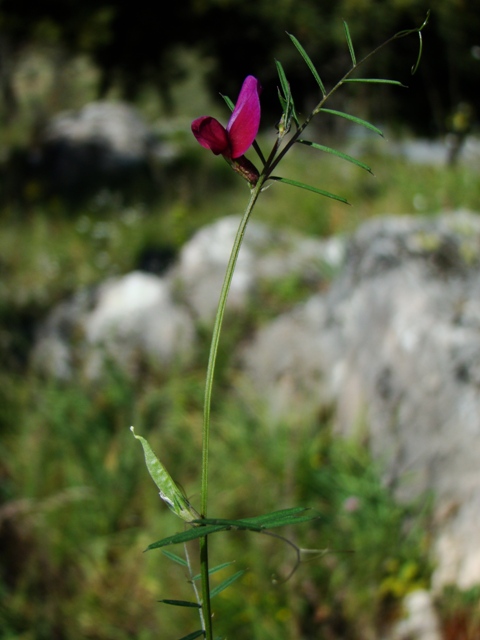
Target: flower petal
{"points": [[211, 134], [243, 125]]}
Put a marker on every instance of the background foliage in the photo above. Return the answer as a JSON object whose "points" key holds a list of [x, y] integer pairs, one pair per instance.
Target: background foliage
{"points": [[77, 507], [131, 46]]}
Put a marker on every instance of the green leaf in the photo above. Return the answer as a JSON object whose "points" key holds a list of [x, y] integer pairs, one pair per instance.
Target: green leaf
{"points": [[169, 492], [175, 558], [219, 567], [340, 154], [207, 526], [226, 583], [309, 62], [196, 634], [230, 104], [266, 521], [283, 102], [284, 519], [283, 81], [359, 121], [266, 518], [186, 536], [181, 603], [376, 81], [273, 515], [214, 569], [350, 44], [301, 185], [287, 103]]}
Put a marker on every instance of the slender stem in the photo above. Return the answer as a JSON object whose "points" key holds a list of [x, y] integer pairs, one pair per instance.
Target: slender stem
{"points": [[194, 586], [269, 165], [205, 577], [216, 339], [206, 606]]}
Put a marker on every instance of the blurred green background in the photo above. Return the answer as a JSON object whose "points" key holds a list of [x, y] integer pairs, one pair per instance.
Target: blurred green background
{"points": [[77, 507]]}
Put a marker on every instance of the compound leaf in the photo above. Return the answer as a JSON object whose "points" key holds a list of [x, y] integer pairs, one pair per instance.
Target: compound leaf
{"points": [[309, 62]]}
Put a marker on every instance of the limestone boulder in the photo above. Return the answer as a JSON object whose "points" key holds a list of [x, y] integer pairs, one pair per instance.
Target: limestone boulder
{"points": [[393, 348]]}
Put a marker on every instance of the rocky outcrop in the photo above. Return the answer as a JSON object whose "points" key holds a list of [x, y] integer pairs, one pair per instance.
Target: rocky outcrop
{"points": [[391, 346], [142, 317], [394, 348], [128, 320], [103, 145]]}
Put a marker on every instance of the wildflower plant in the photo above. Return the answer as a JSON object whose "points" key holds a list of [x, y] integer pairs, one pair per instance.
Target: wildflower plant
{"points": [[232, 142]]}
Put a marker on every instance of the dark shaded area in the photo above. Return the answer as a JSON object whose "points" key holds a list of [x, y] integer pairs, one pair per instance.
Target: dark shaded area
{"points": [[132, 48], [156, 259]]}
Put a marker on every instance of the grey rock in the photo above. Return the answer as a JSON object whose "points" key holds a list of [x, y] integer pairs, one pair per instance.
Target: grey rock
{"points": [[101, 144], [142, 316], [420, 620], [266, 255], [116, 125], [394, 348], [127, 320]]}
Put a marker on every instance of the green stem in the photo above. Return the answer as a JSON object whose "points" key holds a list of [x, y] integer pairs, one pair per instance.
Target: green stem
{"points": [[216, 339], [206, 606], [205, 578]]}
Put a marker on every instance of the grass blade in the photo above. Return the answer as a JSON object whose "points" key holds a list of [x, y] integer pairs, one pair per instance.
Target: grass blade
{"points": [[350, 44], [320, 192], [340, 154], [354, 119], [181, 603], [308, 62], [226, 583]]}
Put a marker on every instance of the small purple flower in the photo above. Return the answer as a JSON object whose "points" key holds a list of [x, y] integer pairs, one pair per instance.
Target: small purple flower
{"points": [[242, 128]]}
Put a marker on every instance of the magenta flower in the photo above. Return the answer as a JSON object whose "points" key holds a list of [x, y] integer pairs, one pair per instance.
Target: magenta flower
{"points": [[242, 128]]}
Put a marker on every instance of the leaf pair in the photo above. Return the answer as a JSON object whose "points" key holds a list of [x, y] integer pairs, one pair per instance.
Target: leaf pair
{"points": [[206, 526]]}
